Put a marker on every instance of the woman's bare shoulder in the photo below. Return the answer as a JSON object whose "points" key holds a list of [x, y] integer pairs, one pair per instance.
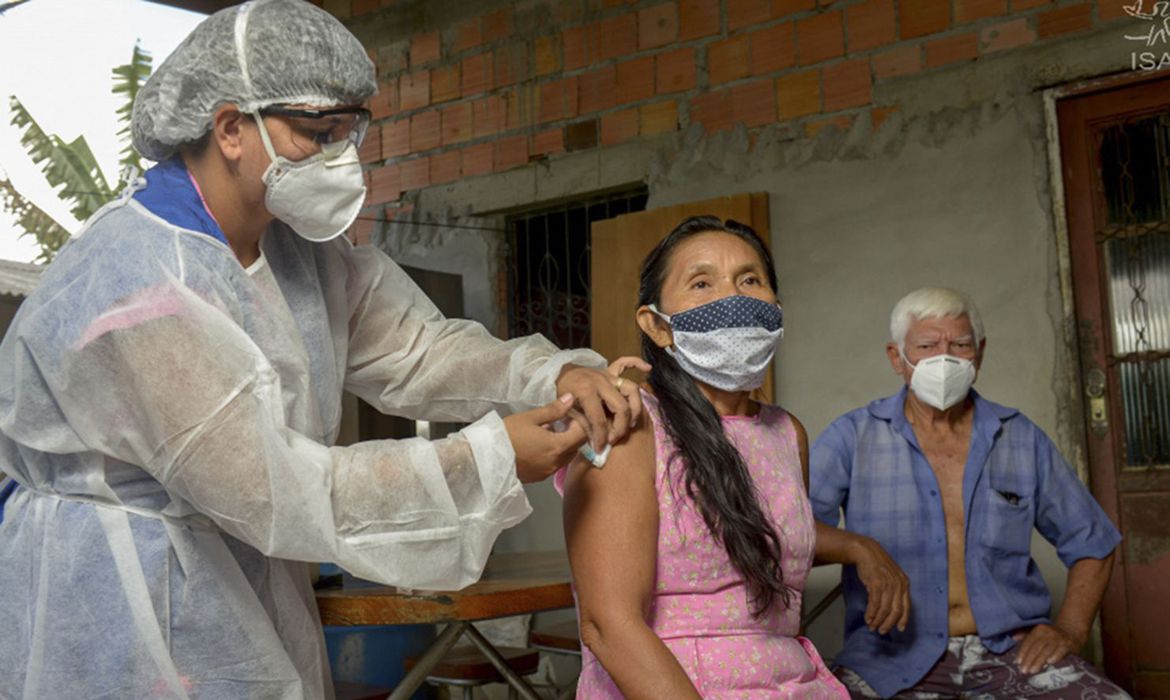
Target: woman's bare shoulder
{"points": [[631, 462]]}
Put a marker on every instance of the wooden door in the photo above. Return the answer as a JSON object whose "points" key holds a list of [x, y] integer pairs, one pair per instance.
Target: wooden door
{"points": [[1116, 164], [618, 246]]}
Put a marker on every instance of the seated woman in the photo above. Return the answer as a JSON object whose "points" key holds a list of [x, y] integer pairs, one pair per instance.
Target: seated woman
{"points": [[690, 548]]}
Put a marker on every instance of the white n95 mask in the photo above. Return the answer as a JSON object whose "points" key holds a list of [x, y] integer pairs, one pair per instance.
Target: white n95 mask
{"points": [[942, 380], [727, 343], [320, 196]]}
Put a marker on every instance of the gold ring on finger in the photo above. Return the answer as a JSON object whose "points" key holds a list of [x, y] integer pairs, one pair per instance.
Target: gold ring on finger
{"points": [[618, 384]]}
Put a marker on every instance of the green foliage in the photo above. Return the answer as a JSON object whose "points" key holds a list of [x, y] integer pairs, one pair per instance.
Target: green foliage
{"points": [[49, 234], [128, 79], [70, 167]]}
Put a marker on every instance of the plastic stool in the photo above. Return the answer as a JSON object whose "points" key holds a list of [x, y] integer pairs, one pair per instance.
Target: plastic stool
{"points": [[468, 668]]}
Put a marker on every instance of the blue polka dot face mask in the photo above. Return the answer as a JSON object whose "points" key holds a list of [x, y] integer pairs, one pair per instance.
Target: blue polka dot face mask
{"points": [[727, 343]]}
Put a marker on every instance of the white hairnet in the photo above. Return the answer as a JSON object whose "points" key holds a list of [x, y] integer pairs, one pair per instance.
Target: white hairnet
{"points": [[293, 53]]}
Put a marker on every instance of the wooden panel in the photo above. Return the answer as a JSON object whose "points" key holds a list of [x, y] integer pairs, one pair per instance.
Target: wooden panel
{"points": [[1078, 165], [618, 247], [1147, 561], [512, 584], [1151, 685]]}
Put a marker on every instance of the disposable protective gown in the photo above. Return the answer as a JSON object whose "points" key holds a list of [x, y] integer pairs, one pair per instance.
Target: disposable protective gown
{"points": [[168, 417]]}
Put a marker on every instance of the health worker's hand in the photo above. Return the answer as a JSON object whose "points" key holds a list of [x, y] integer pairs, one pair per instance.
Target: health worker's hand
{"points": [[608, 404], [540, 450]]}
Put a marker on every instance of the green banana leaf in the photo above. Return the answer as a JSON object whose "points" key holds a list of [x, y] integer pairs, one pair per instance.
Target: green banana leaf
{"points": [[128, 80], [70, 167], [49, 235]]}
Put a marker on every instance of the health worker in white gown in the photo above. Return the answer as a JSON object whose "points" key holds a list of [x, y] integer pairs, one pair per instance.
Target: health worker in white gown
{"points": [[170, 395]]}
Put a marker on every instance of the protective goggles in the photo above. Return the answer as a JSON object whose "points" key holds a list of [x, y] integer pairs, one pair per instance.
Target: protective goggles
{"points": [[325, 126]]}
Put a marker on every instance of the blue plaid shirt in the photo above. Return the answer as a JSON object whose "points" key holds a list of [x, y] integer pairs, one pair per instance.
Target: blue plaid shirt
{"points": [[868, 463]]}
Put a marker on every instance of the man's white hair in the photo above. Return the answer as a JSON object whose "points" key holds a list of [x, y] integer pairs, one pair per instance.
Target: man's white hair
{"points": [[932, 302]]}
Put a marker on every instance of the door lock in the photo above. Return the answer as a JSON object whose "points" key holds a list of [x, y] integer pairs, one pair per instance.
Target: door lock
{"points": [[1095, 391]]}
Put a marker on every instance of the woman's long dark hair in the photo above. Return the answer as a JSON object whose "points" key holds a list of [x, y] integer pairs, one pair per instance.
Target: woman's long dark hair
{"points": [[716, 478]]}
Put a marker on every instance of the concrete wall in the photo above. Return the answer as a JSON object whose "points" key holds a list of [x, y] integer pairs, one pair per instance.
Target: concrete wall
{"points": [[931, 168]]}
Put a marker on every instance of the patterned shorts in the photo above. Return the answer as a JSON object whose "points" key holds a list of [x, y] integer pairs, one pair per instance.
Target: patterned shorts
{"points": [[968, 670]]}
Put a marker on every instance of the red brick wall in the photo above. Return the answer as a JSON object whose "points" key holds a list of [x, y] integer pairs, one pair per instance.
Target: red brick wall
{"points": [[479, 96]]}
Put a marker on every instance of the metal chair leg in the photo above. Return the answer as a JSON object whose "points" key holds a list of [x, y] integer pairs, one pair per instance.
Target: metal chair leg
{"points": [[468, 692], [418, 675], [514, 680]]}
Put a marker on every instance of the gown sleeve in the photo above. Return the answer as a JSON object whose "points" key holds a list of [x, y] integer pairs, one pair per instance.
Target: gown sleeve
{"points": [[406, 359], [168, 381]]}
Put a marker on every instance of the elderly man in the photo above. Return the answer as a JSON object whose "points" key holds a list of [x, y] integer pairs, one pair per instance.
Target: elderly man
{"points": [[951, 486]]}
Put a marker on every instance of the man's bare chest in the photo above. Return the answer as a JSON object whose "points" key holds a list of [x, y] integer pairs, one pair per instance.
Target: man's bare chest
{"points": [[947, 456]]}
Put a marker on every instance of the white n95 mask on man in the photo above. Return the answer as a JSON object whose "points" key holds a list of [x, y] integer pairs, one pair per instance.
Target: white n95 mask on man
{"points": [[320, 196], [728, 343], [941, 381]]}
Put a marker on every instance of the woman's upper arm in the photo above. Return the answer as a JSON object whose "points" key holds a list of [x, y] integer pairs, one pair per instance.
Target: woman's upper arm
{"points": [[611, 529]]}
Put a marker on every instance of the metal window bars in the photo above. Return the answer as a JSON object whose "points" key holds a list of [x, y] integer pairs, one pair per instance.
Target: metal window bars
{"points": [[548, 266], [1135, 241]]}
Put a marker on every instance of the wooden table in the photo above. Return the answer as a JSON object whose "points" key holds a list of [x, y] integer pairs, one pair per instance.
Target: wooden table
{"points": [[512, 584]]}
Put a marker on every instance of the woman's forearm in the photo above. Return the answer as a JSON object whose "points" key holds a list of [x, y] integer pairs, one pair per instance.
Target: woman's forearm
{"points": [[636, 659]]}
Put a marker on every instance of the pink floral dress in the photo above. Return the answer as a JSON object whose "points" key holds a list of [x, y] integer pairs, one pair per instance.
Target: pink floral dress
{"points": [[700, 608]]}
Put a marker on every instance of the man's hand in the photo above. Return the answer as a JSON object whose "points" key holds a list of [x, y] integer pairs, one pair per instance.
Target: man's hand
{"points": [[599, 393], [1047, 644], [539, 450], [1043, 645], [886, 585]]}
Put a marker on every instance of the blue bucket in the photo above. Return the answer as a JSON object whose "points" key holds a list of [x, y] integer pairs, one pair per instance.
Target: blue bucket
{"points": [[373, 654]]}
